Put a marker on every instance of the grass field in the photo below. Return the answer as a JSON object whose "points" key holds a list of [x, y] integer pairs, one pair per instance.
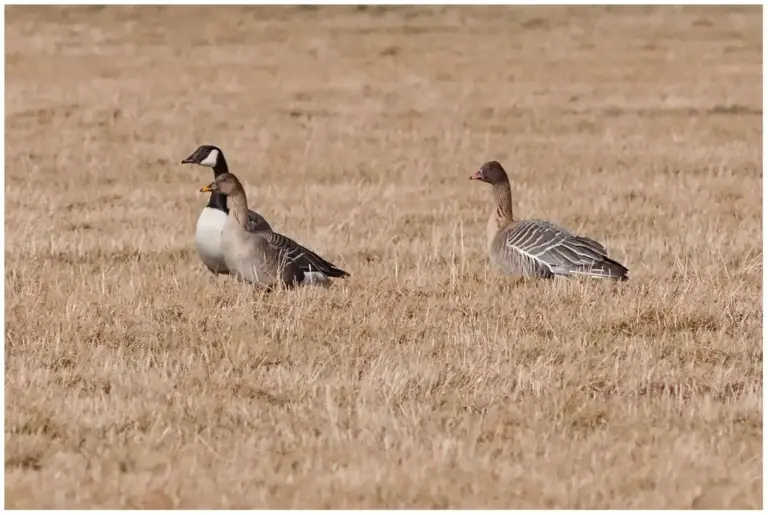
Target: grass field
{"points": [[134, 378]]}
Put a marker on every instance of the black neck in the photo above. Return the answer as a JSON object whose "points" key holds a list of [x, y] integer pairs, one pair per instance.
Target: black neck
{"points": [[221, 166], [219, 200]]}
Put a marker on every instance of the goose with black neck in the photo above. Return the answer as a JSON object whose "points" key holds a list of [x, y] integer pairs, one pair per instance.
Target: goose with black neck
{"points": [[211, 221]]}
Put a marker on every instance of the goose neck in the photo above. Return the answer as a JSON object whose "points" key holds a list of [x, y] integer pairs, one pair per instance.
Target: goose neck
{"points": [[220, 168], [502, 198], [238, 207]]}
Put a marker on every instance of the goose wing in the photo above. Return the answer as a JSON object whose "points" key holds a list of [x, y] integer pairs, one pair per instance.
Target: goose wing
{"points": [[543, 249], [304, 258], [256, 222]]}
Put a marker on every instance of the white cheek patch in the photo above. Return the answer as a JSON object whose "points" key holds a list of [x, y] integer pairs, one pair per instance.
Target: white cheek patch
{"points": [[212, 159]]}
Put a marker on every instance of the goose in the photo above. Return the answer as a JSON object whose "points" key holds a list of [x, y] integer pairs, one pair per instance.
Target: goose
{"points": [[259, 255], [536, 248], [211, 221]]}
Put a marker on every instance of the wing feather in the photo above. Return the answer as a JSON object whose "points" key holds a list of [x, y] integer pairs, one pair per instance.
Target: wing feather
{"points": [[256, 222], [304, 258], [288, 249]]}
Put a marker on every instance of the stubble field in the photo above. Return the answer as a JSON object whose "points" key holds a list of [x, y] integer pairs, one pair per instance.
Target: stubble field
{"points": [[134, 378]]}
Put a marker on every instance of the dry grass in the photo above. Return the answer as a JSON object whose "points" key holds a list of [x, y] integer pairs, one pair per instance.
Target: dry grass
{"points": [[136, 379]]}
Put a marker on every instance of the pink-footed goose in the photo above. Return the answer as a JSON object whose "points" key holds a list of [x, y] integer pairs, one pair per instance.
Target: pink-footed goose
{"points": [[536, 248], [259, 255]]}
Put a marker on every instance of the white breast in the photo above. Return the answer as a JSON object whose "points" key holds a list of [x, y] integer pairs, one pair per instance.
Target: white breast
{"points": [[208, 239]]}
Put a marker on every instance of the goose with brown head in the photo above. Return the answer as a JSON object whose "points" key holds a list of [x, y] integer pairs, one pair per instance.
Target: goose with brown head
{"points": [[260, 255], [536, 248]]}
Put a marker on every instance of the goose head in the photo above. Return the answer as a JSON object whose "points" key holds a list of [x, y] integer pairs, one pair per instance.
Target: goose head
{"points": [[226, 184], [210, 156], [491, 172]]}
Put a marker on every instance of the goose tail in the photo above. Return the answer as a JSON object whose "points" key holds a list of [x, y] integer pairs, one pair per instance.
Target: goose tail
{"points": [[606, 268]]}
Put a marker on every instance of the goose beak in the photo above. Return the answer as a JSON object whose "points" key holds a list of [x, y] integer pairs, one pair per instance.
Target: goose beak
{"points": [[187, 160], [206, 189], [477, 176]]}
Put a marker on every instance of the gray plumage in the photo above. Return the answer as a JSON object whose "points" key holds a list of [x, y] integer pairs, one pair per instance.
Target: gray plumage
{"points": [[536, 248], [306, 260], [256, 222]]}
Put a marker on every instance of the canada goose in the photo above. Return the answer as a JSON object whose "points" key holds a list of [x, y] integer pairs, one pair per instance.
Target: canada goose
{"points": [[535, 248], [211, 221], [258, 254]]}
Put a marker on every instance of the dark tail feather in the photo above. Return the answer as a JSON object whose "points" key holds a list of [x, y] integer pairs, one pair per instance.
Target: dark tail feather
{"points": [[334, 271], [607, 268], [314, 263], [614, 270]]}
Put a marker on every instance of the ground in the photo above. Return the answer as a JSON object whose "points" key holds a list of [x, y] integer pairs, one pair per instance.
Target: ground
{"points": [[134, 378]]}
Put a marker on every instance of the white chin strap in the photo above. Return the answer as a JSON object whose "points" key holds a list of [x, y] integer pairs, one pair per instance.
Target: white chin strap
{"points": [[211, 159]]}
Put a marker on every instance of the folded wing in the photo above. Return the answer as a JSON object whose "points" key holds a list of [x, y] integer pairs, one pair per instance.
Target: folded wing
{"points": [[306, 260], [536, 248], [256, 222]]}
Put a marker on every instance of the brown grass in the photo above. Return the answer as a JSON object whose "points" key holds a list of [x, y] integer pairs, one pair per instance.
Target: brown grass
{"points": [[136, 379]]}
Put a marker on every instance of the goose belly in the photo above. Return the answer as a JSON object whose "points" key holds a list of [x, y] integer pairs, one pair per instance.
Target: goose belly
{"points": [[208, 239]]}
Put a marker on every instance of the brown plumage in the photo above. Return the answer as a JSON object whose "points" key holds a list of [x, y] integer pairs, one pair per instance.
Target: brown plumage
{"points": [[258, 254], [536, 248]]}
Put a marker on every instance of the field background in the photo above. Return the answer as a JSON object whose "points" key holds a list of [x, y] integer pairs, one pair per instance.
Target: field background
{"points": [[133, 378]]}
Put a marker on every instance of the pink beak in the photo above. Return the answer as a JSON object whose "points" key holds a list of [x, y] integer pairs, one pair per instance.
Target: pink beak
{"points": [[478, 176]]}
